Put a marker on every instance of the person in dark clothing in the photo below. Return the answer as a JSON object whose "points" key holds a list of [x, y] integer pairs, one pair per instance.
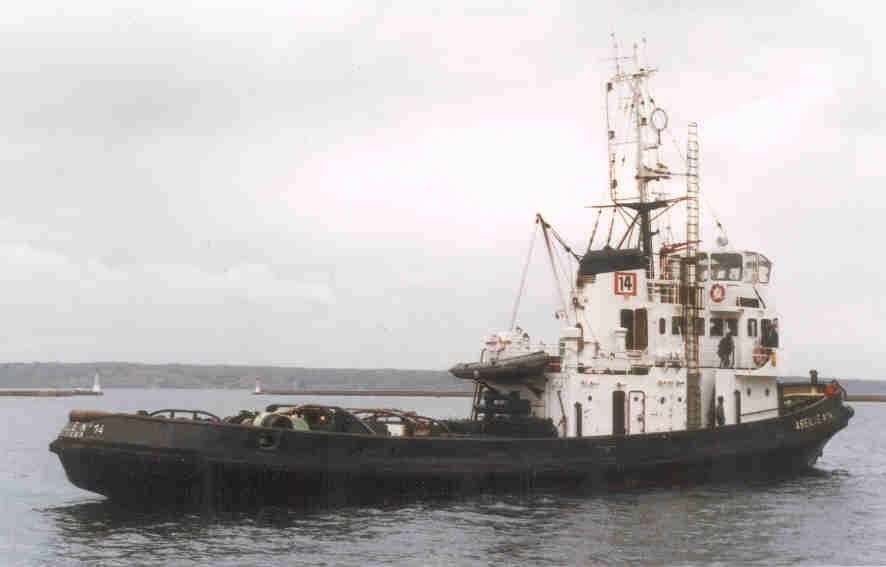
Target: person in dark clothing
{"points": [[720, 412], [725, 350], [770, 334], [773, 334], [712, 410]]}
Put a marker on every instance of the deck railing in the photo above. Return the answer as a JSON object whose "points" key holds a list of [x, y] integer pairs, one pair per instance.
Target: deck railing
{"points": [[663, 291]]}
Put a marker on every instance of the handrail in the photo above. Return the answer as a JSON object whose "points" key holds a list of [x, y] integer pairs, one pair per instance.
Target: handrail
{"points": [[403, 416], [299, 408], [194, 414]]}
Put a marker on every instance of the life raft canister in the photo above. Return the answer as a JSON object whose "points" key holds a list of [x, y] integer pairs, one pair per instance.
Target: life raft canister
{"points": [[718, 292], [761, 355]]}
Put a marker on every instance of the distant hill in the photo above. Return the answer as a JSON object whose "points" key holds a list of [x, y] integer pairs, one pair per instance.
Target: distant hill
{"points": [[132, 375]]}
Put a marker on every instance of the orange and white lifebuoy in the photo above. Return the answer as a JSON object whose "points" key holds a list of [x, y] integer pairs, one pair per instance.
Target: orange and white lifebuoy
{"points": [[718, 292], [761, 356], [831, 389]]}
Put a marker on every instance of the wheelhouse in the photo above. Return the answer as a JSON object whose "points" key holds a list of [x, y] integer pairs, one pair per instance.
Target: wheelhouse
{"points": [[734, 266]]}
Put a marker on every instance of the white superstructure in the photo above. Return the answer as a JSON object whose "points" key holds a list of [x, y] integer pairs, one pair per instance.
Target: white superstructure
{"points": [[642, 349]]}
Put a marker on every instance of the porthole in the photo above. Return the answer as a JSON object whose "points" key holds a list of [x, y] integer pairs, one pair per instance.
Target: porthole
{"points": [[766, 391], [662, 399], [636, 399], [679, 400], [749, 392], [589, 398]]}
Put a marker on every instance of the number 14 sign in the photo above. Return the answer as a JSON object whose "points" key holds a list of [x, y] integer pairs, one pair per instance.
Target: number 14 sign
{"points": [[625, 283]]}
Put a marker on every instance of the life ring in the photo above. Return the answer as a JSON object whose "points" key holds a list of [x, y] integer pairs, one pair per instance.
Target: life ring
{"points": [[718, 292], [831, 389], [761, 356]]}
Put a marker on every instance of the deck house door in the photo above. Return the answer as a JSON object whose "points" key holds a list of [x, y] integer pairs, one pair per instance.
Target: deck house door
{"points": [[636, 412], [641, 329]]}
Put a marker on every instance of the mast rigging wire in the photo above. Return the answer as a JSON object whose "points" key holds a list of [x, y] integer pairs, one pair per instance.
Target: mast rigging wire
{"points": [[594, 232], [707, 203]]}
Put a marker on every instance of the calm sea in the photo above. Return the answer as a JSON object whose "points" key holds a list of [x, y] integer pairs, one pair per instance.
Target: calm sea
{"points": [[835, 515]]}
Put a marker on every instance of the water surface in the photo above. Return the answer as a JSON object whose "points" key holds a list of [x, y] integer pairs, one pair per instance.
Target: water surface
{"points": [[836, 514]]}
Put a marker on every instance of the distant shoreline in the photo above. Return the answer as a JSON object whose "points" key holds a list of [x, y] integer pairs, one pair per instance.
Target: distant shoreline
{"points": [[47, 393], [72, 376]]}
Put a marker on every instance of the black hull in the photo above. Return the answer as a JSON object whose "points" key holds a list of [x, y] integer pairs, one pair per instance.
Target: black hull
{"points": [[150, 461]]}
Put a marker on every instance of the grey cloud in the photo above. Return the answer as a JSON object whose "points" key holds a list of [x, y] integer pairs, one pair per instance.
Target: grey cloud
{"points": [[224, 182]]}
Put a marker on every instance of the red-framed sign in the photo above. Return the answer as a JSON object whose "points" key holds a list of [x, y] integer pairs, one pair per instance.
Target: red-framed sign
{"points": [[625, 283]]}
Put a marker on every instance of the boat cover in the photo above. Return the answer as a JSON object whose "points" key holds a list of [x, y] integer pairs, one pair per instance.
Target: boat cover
{"points": [[511, 368]]}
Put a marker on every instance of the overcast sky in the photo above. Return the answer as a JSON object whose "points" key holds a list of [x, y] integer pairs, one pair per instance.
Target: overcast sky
{"points": [[354, 185]]}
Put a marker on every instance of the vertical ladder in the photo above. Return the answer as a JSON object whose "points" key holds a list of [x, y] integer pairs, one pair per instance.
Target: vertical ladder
{"points": [[692, 294], [478, 398]]}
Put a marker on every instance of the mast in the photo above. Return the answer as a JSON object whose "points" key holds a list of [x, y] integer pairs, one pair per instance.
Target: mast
{"points": [[639, 120]]}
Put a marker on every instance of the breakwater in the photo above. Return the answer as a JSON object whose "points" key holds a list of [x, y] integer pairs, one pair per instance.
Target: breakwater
{"points": [[48, 393]]}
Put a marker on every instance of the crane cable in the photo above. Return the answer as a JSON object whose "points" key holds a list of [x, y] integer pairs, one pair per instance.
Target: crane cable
{"points": [[523, 277], [556, 269], [544, 231]]}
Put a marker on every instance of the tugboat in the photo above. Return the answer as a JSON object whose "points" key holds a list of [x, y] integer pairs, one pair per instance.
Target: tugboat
{"points": [[659, 337], [669, 365]]}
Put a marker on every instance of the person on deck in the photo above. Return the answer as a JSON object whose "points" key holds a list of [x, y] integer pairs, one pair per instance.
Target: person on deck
{"points": [[725, 350], [720, 412]]}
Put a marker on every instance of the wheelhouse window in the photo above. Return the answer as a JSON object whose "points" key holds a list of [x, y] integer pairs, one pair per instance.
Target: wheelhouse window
{"points": [[701, 270], [726, 267], [716, 327], [750, 267], [757, 268], [765, 268], [752, 327]]}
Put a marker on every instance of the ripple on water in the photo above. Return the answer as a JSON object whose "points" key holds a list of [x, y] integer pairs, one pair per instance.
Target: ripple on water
{"points": [[779, 521]]}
